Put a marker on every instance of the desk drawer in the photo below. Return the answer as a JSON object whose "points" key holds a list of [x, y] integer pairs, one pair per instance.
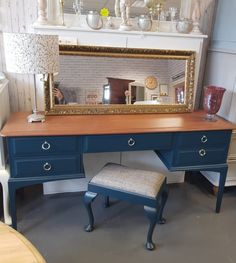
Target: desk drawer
{"points": [[42, 146], [202, 139], [197, 149], [200, 156], [127, 142], [46, 166]]}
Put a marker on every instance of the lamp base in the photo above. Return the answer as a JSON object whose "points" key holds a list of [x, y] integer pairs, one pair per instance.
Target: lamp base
{"points": [[36, 117]]}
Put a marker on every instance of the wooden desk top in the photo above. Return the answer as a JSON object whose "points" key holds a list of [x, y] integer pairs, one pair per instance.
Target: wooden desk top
{"points": [[16, 248], [17, 125]]}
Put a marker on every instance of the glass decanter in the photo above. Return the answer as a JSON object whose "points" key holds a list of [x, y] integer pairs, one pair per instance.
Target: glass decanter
{"points": [[213, 96], [78, 8], [173, 11]]}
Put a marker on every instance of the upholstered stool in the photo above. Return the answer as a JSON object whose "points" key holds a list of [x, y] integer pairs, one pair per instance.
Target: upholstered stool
{"points": [[138, 186]]}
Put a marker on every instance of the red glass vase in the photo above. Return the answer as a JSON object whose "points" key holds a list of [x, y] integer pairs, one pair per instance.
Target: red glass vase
{"points": [[213, 96]]}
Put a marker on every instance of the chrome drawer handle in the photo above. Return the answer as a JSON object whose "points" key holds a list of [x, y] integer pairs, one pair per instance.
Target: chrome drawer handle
{"points": [[47, 167], [131, 142], [204, 139], [46, 146], [202, 152]]}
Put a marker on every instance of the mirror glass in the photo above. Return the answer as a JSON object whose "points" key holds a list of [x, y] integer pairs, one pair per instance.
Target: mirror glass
{"points": [[138, 6], [121, 80]]}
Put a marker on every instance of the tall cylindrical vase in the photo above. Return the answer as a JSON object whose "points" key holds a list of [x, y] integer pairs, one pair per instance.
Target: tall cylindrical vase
{"points": [[185, 9], [53, 11], [196, 15]]}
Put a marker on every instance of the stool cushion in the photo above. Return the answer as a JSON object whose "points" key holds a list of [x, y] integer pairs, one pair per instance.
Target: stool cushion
{"points": [[118, 177]]}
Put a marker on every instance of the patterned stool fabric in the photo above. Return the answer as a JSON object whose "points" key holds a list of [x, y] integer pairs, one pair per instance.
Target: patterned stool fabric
{"points": [[143, 187]]}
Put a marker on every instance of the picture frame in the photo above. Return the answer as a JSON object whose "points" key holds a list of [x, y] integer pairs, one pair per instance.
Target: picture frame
{"points": [[164, 90], [91, 97], [90, 103]]}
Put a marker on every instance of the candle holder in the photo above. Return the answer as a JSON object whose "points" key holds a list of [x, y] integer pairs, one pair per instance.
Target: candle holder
{"points": [[196, 15], [213, 96], [62, 3], [42, 14], [155, 7], [159, 8], [151, 5]]}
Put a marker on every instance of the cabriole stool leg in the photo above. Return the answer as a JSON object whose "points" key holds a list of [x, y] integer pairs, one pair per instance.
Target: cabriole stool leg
{"points": [[88, 199], [152, 214]]}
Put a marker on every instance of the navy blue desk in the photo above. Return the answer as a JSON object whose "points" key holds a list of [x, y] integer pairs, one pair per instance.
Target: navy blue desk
{"points": [[43, 152]]}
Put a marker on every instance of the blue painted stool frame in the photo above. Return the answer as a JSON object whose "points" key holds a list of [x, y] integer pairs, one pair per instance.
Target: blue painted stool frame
{"points": [[152, 206]]}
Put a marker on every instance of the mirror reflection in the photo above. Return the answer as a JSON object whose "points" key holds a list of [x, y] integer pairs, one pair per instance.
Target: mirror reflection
{"points": [[108, 80], [138, 6]]}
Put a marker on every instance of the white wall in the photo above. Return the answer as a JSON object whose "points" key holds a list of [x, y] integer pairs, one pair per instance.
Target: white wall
{"points": [[221, 71], [17, 16], [221, 60], [224, 34], [4, 114]]}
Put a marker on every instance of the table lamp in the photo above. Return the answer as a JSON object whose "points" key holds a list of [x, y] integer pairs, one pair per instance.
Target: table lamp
{"points": [[31, 54]]}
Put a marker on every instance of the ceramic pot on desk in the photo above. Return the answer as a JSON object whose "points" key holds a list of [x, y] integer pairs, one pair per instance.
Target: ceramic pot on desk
{"points": [[94, 20], [144, 23], [184, 26]]}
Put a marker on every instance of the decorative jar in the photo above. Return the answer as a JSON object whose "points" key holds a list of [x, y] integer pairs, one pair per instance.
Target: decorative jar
{"points": [[94, 20], [144, 23], [213, 96], [184, 26]]}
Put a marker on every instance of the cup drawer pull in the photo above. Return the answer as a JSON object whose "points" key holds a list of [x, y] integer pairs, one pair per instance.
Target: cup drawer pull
{"points": [[202, 152], [204, 139], [47, 167], [46, 146], [131, 142]]}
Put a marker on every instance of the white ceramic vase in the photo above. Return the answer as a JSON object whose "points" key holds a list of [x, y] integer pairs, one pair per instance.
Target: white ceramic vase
{"points": [[53, 12], [42, 14]]}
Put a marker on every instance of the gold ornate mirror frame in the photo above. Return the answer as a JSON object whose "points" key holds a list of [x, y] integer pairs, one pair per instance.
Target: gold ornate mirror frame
{"points": [[73, 50]]}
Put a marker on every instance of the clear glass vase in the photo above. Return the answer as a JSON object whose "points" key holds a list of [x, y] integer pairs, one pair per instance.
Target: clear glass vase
{"points": [[213, 96], [78, 6]]}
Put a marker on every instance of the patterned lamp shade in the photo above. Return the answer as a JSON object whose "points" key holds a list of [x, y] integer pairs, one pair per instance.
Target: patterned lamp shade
{"points": [[31, 53]]}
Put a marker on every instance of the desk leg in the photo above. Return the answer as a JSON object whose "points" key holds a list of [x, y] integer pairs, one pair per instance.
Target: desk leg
{"points": [[12, 204], [223, 174]]}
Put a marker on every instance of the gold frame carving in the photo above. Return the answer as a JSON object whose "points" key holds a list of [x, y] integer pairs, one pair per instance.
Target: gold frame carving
{"points": [[189, 56]]}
